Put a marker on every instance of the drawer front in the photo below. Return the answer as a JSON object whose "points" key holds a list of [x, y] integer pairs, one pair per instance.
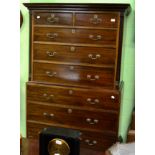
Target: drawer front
{"points": [[33, 130], [96, 140], [88, 139], [68, 35], [74, 75], [105, 20], [75, 54], [57, 18], [73, 96], [71, 116]]}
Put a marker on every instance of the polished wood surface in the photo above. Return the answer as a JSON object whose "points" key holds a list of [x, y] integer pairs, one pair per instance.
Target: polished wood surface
{"points": [[71, 35], [73, 74], [31, 147], [101, 120], [75, 52], [89, 139], [56, 18], [114, 7], [97, 19], [102, 99], [91, 19]]}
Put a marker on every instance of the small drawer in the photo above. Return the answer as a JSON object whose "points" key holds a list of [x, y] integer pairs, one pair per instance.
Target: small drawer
{"points": [[73, 74], [97, 140], [104, 20], [53, 18], [88, 139], [68, 35], [101, 121], [80, 97], [75, 54], [34, 129]]}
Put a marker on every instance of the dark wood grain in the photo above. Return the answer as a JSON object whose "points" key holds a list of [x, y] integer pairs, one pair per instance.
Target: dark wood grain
{"points": [[71, 116], [73, 75], [131, 136], [85, 98], [97, 19], [104, 140], [133, 120], [75, 54], [71, 35], [120, 48], [121, 7], [70, 85], [55, 18]]}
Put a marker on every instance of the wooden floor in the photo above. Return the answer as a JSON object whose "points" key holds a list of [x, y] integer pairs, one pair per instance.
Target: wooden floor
{"points": [[31, 147]]}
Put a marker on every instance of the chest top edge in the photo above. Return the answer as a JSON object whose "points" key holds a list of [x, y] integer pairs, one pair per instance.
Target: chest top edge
{"points": [[112, 7]]}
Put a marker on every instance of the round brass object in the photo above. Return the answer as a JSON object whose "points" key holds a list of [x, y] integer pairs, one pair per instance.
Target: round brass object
{"points": [[58, 147]]}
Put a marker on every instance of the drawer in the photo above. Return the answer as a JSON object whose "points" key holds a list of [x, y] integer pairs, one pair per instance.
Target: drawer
{"points": [[53, 18], [73, 96], [88, 139], [73, 75], [33, 130], [97, 140], [68, 35], [105, 20], [64, 115], [75, 54]]}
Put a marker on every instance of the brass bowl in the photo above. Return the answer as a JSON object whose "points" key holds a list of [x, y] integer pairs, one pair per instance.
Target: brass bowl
{"points": [[58, 147]]}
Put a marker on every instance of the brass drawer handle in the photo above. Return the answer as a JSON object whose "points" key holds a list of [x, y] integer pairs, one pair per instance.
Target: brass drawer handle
{"points": [[45, 114], [51, 54], [48, 97], [72, 49], [30, 136], [51, 74], [69, 111], [89, 77], [92, 121], [73, 31], [53, 19], [51, 115], [48, 115], [71, 67], [95, 38], [95, 20], [94, 57], [52, 35], [70, 92], [89, 100], [91, 143]]}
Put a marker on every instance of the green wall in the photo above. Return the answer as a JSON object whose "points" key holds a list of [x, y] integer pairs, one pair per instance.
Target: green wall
{"points": [[128, 61], [24, 60]]}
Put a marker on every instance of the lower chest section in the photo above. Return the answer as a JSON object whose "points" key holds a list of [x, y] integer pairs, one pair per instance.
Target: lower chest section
{"points": [[93, 112]]}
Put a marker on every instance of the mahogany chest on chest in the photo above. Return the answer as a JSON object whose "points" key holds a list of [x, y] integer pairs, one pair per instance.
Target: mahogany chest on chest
{"points": [[74, 73]]}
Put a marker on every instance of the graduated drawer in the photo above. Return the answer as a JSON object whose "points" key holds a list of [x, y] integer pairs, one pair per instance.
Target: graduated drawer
{"points": [[73, 96], [105, 20], [57, 18], [73, 74], [88, 139], [77, 117], [68, 35], [75, 54]]}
